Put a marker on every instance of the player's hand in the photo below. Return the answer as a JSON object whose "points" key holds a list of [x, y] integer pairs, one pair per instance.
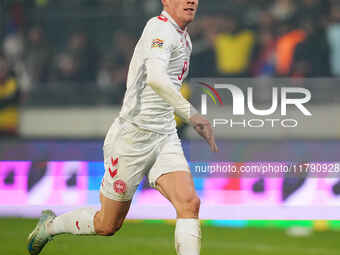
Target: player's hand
{"points": [[204, 129]]}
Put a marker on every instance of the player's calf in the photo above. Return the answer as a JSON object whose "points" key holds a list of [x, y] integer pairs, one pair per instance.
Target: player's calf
{"points": [[106, 229], [111, 216], [188, 231], [178, 188]]}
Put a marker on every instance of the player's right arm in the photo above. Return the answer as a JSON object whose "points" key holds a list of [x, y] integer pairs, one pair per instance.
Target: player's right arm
{"points": [[203, 128], [159, 46]]}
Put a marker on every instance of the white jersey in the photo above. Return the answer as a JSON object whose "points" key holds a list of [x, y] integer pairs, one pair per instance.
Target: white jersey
{"points": [[162, 39]]}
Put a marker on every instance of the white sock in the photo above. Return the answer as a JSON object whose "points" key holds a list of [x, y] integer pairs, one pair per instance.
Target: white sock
{"points": [[78, 222], [188, 237]]}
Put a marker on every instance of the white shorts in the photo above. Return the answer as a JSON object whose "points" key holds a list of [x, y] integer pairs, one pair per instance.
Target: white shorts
{"points": [[130, 153]]}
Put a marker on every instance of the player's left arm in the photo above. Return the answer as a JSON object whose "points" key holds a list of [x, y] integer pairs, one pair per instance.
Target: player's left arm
{"points": [[160, 42], [158, 79]]}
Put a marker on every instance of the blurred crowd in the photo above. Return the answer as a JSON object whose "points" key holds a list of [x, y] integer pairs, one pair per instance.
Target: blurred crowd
{"points": [[282, 38], [231, 38]]}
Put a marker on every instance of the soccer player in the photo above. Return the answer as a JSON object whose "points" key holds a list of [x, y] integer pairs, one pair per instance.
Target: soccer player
{"points": [[143, 139]]}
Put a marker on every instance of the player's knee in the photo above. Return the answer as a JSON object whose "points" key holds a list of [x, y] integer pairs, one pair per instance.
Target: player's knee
{"points": [[195, 204], [191, 204]]}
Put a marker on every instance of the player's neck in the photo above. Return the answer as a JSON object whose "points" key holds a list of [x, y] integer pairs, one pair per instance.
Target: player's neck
{"points": [[178, 22]]}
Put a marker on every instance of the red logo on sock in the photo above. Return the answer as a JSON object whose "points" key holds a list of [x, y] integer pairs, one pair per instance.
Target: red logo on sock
{"points": [[77, 225], [119, 186], [114, 172]]}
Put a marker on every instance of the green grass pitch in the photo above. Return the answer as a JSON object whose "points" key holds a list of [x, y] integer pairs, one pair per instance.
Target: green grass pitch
{"points": [[141, 238]]}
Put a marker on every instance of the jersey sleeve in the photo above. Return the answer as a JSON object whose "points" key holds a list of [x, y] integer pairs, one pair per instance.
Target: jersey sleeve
{"points": [[160, 41]]}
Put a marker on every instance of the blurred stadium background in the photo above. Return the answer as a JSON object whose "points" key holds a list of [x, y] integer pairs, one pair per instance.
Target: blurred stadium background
{"points": [[63, 66]]}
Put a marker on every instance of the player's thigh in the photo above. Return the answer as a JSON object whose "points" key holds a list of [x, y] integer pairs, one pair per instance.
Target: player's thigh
{"points": [[171, 176], [178, 187], [169, 159], [127, 158], [121, 179]]}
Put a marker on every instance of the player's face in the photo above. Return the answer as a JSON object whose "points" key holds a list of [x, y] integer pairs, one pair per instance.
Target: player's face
{"points": [[183, 11]]}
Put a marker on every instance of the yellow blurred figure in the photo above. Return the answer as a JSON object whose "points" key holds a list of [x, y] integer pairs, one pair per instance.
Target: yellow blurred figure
{"points": [[234, 52], [186, 93], [9, 100]]}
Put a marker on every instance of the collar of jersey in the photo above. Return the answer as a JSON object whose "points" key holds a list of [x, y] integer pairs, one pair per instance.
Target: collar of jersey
{"points": [[173, 22]]}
